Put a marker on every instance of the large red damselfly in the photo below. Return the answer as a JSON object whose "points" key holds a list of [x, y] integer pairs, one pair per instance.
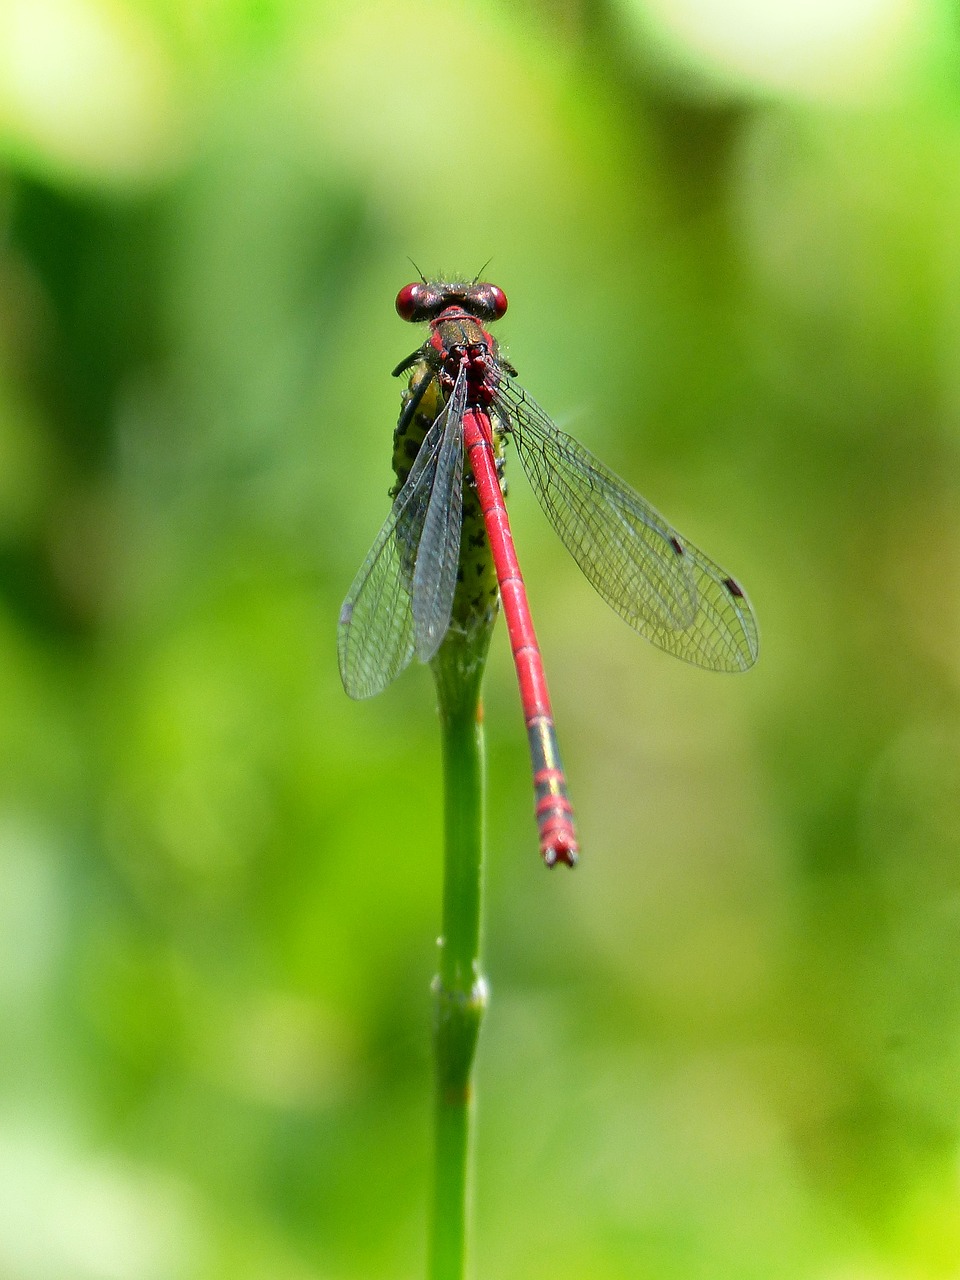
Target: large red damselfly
{"points": [[430, 568]]}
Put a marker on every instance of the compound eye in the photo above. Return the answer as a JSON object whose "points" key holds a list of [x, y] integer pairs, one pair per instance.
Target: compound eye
{"points": [[492, 299], [415, 301], [499, 300]]}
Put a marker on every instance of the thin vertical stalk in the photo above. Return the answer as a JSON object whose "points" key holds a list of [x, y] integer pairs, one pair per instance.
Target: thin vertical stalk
{"points": [[459, 989]]}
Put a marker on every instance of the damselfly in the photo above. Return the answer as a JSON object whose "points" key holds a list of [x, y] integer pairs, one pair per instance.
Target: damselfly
{"points": [[430, 567]]}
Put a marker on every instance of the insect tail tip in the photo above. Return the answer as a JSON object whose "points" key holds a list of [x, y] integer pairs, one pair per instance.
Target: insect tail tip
{"points": [[561, 851]]}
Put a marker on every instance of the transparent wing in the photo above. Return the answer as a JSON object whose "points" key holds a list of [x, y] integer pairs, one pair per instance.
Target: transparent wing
{"points": [[438, 554], [656, 581], [401, 599]]}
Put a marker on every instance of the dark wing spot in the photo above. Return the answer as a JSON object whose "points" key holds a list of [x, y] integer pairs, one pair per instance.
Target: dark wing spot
{"points": [[733, 587], [676, 544]]}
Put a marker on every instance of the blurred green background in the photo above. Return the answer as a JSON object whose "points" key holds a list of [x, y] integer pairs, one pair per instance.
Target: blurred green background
{"points": [[728, 1045]]}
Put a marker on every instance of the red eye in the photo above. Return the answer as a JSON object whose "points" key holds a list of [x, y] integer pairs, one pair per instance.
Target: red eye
{"points": [[418, 301], [497, 301], [489, 301], [408, 301]]}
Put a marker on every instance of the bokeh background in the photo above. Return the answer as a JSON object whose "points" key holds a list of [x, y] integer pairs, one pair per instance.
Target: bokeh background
{"points": [[728, 1046]]}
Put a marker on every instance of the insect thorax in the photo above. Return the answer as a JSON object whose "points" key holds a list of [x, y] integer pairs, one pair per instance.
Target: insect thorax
{"points": [[477, 597]]}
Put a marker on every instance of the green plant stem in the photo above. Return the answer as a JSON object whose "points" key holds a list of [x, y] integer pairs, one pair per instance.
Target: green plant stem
{"points": [[459, 989]]}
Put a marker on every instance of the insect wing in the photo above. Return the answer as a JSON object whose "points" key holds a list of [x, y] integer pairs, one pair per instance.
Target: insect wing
{"points": [[661, 585], [381, 626], [438, 553]]}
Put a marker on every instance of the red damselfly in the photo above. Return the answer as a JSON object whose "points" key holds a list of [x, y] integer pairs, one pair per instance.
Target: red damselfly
{"points": [[462, 399]]}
